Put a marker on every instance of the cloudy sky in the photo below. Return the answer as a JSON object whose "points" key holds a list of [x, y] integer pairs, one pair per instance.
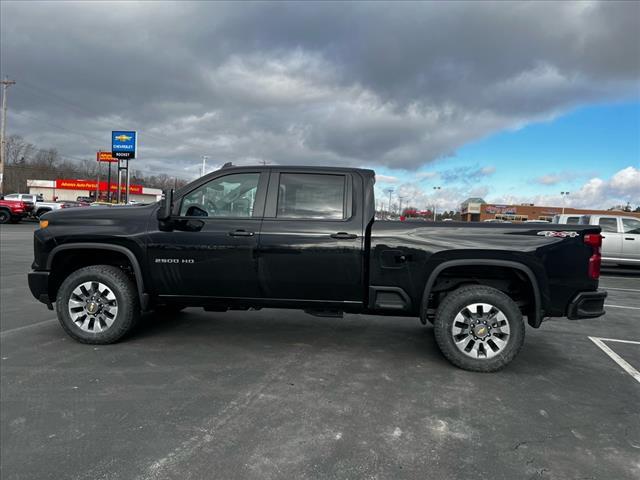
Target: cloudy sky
{"points": [[509, 101]]}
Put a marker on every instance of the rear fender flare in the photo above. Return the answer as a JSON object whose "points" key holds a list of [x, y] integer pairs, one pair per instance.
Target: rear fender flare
{"points": [[534, 322]]}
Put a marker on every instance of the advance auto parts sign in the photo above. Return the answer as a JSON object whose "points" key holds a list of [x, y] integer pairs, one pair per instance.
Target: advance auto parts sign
{"points": [[92, 186], [123, 144]]}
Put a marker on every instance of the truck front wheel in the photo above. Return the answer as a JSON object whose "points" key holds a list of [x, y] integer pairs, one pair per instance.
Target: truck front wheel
{"points": [[5, 216], [97, 304], [479, 328]]}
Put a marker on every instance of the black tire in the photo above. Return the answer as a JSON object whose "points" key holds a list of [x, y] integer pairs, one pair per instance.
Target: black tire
{"points": [[126, 295], [41, 212], [454, 303], [5, 216]]}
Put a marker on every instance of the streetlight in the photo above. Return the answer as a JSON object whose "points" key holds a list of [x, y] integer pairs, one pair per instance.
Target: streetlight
{"points": [[204, 164], [435, 205], [564, 196], [389, 191], [400, 199]]}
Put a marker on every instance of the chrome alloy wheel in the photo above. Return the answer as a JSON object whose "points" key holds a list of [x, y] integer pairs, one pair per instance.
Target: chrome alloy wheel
{"points": [[480, 330], [93, 307]]}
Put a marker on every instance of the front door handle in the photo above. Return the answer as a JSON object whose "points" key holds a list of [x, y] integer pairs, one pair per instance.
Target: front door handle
{"points": [[629, 238], [241, 233], [344, 236]]}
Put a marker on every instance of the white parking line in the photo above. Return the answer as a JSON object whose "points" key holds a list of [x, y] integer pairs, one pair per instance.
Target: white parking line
{"points": [[622, 289], [621, 306], [18, 329], [620, 278], [615, 357]]}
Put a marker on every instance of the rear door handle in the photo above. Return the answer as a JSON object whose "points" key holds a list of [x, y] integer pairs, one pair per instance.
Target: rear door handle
{"points": [[344, 236], [629, 238], [241, 233]]}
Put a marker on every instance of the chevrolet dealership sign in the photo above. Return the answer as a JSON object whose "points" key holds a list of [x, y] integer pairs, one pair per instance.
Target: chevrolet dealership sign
{"points": [[123, 144]]}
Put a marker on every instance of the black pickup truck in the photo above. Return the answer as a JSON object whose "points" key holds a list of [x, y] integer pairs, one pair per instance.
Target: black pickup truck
{"points": [[307, 238]]}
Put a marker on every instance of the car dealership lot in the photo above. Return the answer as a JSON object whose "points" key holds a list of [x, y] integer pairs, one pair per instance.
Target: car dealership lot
{"points": [[281, 394]]}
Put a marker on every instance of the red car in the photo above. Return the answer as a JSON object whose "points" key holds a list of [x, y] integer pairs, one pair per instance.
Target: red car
{"points": [[12, 211]]}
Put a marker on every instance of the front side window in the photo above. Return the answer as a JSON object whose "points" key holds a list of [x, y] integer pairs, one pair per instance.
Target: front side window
{"points": [[573, 220], [311, 195], [608, 224], [630, 225], [229, 196]]}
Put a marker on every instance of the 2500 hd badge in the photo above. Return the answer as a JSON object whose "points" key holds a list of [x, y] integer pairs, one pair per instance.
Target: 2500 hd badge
{"points": [[175, 260]]}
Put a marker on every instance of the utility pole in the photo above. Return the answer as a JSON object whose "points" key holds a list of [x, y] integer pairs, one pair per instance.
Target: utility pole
{"points": [[3, 144]]}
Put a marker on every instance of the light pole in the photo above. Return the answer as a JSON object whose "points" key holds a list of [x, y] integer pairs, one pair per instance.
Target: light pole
{"points": [[435, 204], [564, 196], [389, 191], [204, 164]]}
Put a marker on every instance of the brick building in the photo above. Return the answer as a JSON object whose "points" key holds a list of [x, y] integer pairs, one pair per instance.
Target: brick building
{"points": [[477, 210]]}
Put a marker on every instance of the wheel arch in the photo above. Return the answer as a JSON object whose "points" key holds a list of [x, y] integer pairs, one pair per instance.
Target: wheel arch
{"points": [[441, 267], [135, 264]]}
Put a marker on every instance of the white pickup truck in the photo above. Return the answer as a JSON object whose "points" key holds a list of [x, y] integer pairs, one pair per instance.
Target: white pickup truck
{"points": [[620, 235]]}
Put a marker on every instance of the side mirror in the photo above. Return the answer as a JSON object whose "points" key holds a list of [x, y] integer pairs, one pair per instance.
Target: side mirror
{"points": [[166, 205]]}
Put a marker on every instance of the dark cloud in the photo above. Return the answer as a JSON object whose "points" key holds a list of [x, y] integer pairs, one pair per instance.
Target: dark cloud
{"points": [[394, 84]]}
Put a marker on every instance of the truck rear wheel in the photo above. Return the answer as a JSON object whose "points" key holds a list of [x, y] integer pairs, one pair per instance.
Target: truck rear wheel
{"points": [[479, 328], [97, 304]]}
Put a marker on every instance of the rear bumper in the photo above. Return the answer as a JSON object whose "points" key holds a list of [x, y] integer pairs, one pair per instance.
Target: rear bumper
{"points": [[587, 305], [39, 286]]}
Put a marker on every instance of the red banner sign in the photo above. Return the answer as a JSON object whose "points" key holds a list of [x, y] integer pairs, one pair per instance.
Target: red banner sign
{"points": [[105, 157], [92, 186]]}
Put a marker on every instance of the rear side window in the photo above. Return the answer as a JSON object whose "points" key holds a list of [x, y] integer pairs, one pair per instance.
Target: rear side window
{"points": [[608, 224], [630, 225], [572, 220], [311, 195]]}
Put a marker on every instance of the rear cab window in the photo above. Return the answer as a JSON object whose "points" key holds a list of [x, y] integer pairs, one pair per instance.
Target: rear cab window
{"points": [[315, 196]]}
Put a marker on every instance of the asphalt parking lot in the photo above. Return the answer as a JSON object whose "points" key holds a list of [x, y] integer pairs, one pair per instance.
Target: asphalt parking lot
{"points": [[280, 394]]}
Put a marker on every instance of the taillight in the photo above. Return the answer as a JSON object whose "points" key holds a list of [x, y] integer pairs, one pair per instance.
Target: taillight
{"points": [[594, 240]]}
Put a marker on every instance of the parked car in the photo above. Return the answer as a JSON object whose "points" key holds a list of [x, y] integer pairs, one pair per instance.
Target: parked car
{"points": [[40, 207], [12, 211], [620, 236], [28, 199], [304, 237]]}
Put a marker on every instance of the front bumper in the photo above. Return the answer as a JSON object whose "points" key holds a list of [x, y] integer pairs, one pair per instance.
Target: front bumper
{"points": [[587, 305], [39, 286]]}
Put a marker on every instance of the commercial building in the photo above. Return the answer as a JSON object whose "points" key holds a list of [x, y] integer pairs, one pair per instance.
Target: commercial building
{"points": [[71, 189], [477, 210]]}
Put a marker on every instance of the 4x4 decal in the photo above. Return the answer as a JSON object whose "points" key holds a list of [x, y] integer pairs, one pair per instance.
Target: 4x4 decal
{"points": [[550, 233]]}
